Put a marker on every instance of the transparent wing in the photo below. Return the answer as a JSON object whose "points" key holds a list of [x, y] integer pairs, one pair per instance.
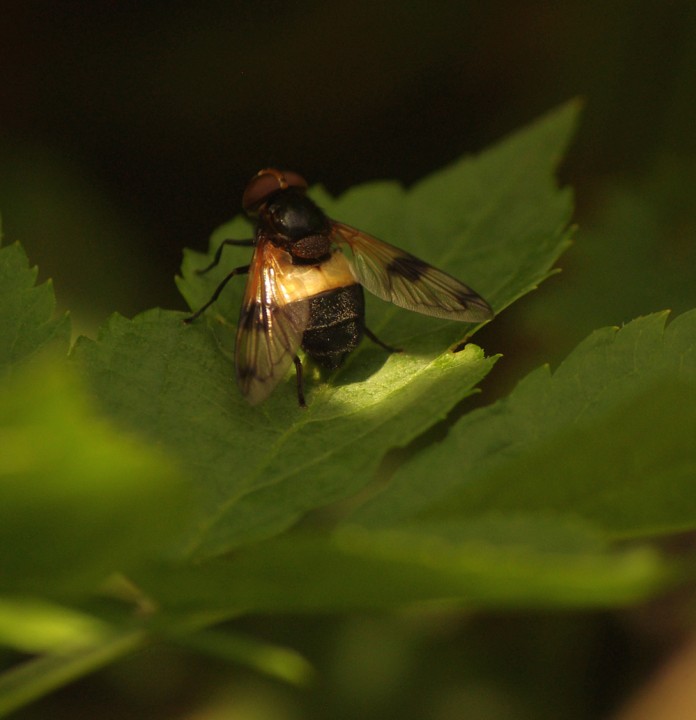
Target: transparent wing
{"points": [[270, 325], [403, 279]]}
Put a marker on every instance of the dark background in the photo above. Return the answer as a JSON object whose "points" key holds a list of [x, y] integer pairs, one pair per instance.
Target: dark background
{"points": [[128, 131]]}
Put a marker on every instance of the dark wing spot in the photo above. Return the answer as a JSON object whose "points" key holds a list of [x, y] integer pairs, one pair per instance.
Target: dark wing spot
{"points": [[465, 298], [408, 267], [474, 302], [248, 318], [254, 317], [244, 372]]}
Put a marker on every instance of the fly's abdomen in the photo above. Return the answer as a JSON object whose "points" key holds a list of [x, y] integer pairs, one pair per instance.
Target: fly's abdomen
{"points": [[336, 323]]}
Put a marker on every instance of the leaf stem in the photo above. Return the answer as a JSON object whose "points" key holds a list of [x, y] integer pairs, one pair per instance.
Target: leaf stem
{"points": [[36, 678]]}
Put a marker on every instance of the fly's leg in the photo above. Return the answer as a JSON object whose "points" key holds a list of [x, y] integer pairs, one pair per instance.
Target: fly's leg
{"points": [[243, 270], [300, 382], [377, 341], [218, 253]]}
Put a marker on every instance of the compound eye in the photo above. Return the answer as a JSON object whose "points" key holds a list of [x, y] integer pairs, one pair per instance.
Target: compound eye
{"points": [[266, 182]]}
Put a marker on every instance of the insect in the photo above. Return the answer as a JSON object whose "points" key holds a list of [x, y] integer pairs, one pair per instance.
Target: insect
{"points": [[304, 291]]}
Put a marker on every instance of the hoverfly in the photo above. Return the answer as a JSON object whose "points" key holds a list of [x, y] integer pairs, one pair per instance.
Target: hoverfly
{"points": [[303, 291]]}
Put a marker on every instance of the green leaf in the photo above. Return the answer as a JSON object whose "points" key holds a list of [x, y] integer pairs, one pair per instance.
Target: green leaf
{"points": [[272, 660], [27, 326], [259, 468], [607, 438], [33, 626], [520, 505], [493, 562], [79, 500], [497, 221]]}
